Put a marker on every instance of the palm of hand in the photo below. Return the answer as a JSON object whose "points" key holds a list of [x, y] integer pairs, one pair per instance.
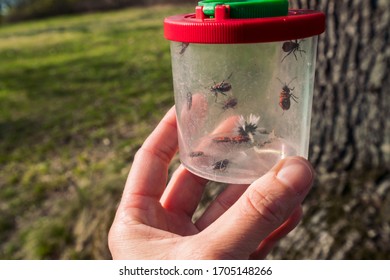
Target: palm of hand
{"points": [[154, 220]]}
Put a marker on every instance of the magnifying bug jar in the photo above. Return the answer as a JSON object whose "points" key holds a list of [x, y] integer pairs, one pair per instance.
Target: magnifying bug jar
{"points": [[243, 74]]}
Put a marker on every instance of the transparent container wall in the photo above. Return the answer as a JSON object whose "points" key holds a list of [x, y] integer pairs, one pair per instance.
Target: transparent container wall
{"points": [[242, 107]]}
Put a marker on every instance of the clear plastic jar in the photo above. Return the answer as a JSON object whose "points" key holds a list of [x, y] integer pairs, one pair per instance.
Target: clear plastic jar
{"points": [[243, 106]]}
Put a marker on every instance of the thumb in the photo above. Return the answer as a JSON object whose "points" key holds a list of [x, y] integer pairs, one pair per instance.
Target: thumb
{"points": [[265, 205]]}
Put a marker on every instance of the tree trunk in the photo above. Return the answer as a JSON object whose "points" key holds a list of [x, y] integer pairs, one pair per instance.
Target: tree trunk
{"points": [[347, 214]]}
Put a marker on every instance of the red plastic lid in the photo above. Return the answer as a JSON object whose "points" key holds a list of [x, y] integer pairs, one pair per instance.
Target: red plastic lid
{"points": [[198, 28]]}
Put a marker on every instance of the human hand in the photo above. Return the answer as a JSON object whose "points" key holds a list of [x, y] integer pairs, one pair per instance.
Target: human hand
{"points": [[154, 220]]}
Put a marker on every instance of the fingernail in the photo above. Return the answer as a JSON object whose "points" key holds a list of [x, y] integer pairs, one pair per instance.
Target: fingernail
{"points": [[297, 174]]}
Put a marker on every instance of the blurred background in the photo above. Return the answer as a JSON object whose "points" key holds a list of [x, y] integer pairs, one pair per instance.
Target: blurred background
{"points": [[83, 82]]}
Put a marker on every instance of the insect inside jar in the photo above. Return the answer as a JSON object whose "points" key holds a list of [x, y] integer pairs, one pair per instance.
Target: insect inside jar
{"points": [[232, 140], [221, 139], [247, 127], [230, 103], [221, 165], [196, 154], [264, 143], [189, 100], [285, 95], [184, 46], [240, 139], [221, 88], [292, 47]]}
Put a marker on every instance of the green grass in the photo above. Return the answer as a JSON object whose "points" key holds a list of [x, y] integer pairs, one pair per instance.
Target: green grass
{"points": [[78, 95]]}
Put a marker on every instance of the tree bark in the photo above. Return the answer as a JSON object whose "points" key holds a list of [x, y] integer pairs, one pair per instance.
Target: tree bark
{"points": [[350, 124], [347, 214]]}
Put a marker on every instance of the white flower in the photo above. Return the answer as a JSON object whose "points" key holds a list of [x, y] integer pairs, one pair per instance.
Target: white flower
{"points": [[253, 119], [241, 122], [248, 126]]}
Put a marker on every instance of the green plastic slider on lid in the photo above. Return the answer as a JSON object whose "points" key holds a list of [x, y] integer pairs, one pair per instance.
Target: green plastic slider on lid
{"points": [[248, 8]]}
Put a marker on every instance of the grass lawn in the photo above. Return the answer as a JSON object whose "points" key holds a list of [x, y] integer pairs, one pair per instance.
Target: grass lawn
{"points": [[78, 95]]}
